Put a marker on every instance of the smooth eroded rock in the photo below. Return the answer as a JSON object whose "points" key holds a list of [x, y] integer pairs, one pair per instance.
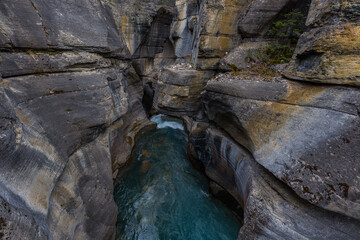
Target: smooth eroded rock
{"points": [[301, 133]]}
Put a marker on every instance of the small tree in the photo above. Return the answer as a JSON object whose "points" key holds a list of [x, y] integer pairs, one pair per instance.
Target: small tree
{"points": [[285, 34]]}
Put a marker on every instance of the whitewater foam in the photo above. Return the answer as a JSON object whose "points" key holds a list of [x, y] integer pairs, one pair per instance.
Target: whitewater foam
{"points": [[162, 123]]}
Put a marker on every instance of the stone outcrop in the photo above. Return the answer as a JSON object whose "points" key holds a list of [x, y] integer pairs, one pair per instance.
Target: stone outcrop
{"points": [[218, 34], [291, 128], [286, 140], [178, 89], [184, 30], [65, 93], [241, 57], [60, 25], [260, 15], [272, 211], [328, 53]]}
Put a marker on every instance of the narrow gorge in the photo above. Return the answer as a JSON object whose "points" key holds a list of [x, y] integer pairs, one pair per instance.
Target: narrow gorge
{"points": [[265, 93]]}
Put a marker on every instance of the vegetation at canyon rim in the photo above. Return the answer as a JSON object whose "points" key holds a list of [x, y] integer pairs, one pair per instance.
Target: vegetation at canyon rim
{"points": [[282, 39], [284, 35]]}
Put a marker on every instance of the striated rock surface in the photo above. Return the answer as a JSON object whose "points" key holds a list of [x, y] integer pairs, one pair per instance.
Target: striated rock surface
{"points": [[240, 57], [219, 34], [259, 16], [60, 25], [74, 75], [328, 53], [301, 133], [178, 90], [272, 211], [17, 224], [65, 93], [184, 30]]}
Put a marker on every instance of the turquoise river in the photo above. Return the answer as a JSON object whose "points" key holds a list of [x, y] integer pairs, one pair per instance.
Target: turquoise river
{"points": [[161, 196]]}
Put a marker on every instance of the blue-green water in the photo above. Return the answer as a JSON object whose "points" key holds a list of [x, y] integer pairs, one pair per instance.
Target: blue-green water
{"points": [[161, 196]]}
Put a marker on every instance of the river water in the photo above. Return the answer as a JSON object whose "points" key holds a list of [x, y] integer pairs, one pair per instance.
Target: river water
{"points": [[161, 196]]}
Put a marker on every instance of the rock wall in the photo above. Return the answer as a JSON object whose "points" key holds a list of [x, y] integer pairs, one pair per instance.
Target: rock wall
{"points": [[74, 75], [65, 96], [272, 211], [300, 138], [328, 53]]}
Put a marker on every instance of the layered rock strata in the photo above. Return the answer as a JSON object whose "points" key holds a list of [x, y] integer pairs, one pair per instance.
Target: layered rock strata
{"points": [[178, 89], [328, 53], [71, 89], [65, 93], [272, 211], [291, 128]]}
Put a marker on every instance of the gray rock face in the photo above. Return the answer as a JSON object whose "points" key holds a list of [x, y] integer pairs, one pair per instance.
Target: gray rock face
{"points": [[298, 132], [123, 132], [134, 18], [260, 15], [60, 25], [272, 211], [178, 89], [71, 107], [40, 141], [184, 30], [15, 224], [240, 57], [328, 52], [154, 41], [153, 45], [325, 12], [64, 91]]}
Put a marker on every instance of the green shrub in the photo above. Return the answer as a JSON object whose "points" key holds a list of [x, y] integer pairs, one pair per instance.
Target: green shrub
{"points": [[284, 34]]}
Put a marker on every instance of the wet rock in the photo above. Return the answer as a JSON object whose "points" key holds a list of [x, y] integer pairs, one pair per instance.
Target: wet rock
{"points": [[145, 166], [64, 96], [124, 131]]}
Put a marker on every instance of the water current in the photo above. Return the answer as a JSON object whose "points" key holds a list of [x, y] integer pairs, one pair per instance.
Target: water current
{"points": [[161, 196]]}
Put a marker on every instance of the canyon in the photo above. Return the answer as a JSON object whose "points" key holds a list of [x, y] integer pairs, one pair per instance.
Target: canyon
{"points": [[80, 78]]}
